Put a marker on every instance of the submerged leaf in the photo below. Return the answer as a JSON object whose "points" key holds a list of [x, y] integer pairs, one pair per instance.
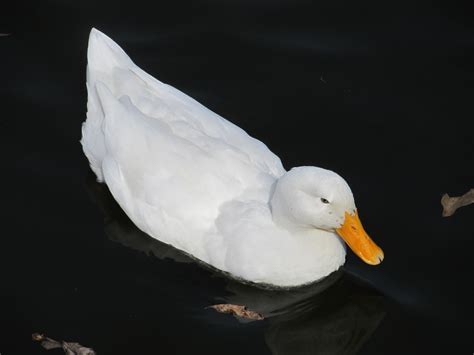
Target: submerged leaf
{"points": [[237, 310], [77, 349], [451, 204], [69, 348]]}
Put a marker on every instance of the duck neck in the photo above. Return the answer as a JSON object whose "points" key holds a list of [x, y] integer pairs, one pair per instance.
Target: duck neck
{"points": [[281, 212]]}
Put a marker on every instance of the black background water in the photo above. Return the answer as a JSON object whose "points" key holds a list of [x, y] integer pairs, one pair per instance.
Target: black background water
{"points": [[380, 93]]}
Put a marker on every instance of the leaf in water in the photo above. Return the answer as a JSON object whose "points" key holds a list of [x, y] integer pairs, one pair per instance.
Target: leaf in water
{"points": [[237, 310], [451, 204], [69, 348]]}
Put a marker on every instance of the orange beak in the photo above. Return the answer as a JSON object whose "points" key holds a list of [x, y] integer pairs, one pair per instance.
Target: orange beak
{"points": [[355, 236]]}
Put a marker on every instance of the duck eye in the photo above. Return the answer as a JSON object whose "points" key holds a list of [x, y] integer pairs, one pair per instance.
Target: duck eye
{"points": [[323, 200]]}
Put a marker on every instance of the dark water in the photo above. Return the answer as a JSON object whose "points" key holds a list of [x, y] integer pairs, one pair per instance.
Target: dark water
{"points": [[381, 93]]}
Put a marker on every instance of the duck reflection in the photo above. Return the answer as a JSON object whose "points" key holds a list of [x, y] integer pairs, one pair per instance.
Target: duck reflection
{"points": [[335, 316]]}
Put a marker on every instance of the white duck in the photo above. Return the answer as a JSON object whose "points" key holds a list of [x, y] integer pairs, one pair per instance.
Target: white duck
{"points": [[190, 178]]}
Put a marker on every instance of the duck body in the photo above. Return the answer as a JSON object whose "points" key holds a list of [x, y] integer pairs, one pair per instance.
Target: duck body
{"points": [[191, 179]]}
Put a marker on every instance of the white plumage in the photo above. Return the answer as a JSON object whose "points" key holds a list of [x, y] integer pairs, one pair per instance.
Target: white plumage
{"points": [[192, 179]]}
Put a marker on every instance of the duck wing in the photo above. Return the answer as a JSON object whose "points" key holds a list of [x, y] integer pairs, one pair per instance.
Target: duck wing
{"points": [[170, 162]]}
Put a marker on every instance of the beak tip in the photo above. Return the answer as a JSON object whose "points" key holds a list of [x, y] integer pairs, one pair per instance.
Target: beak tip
{"points": [[379, 261], [376, 260], [379, 258]]}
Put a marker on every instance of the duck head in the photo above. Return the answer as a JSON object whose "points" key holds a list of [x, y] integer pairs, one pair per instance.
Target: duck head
{"points": [[311, 197]]}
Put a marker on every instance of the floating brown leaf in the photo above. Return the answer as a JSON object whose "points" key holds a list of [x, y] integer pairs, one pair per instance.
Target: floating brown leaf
{"points": [[451, 204], [237, 310], [69, 348]]}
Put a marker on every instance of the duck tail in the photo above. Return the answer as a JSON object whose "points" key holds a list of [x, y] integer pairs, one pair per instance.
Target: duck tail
{"points": [[103, 54], [104, 59]]}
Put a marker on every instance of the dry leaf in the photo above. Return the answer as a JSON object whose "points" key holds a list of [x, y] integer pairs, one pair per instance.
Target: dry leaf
{"points": [[69, 348], [451, 204], [237, 310]]}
